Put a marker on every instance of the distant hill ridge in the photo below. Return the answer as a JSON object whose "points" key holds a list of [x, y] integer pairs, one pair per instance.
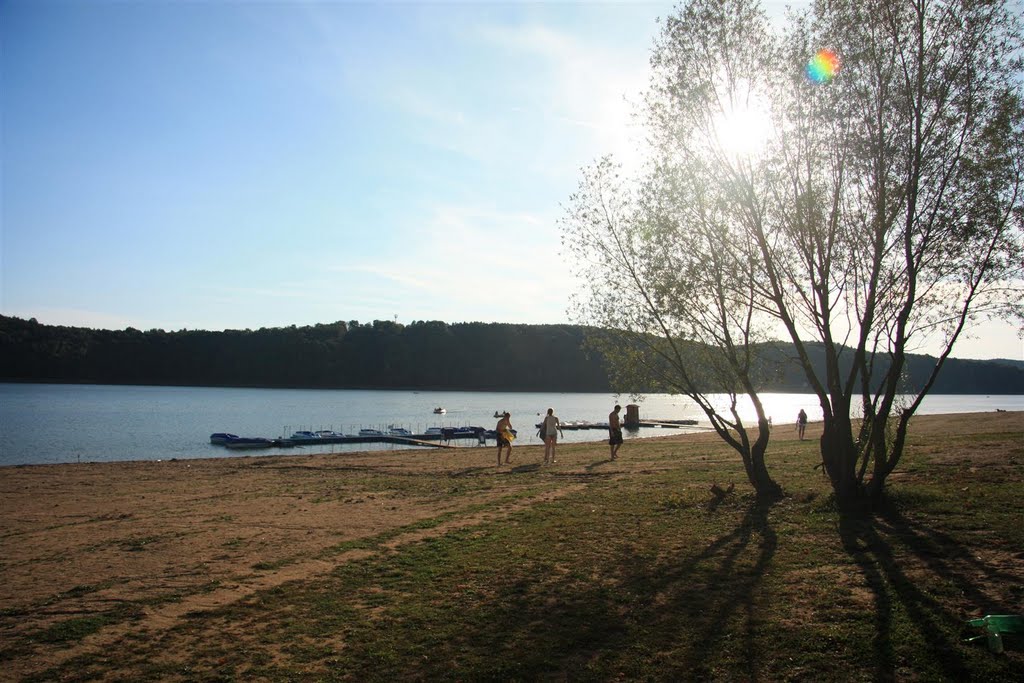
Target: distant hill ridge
{"points": [[384, 355]]}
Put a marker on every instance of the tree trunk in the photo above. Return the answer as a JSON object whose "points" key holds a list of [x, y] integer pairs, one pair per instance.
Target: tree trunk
{"points": [[765, 487], [839, 456]]}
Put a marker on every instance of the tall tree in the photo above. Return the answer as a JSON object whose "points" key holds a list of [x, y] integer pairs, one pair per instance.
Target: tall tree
{"points": [[882, 211], [892, 207], [665, 268]]}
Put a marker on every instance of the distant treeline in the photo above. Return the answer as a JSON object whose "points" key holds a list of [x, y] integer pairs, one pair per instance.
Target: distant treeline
{"points": [[380, 355]]}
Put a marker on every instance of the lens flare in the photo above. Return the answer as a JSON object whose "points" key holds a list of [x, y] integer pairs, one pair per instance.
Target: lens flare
{"points": [[823, 66]]}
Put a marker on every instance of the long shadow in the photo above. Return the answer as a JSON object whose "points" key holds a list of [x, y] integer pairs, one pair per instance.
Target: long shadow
{"points": [[468, 471], [594, 465], [714, 617], [851, 531], [646, 605], [525, 467], [869, 541], [939, 550], [630, 609]]}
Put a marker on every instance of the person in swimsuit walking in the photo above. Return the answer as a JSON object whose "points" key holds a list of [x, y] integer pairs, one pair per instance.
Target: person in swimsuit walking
{"points": [[615, 431], [504, 432], [548, 428]]}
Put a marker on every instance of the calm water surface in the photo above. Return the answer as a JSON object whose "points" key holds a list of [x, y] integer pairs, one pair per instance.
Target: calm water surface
{"points": [[57, 423]]}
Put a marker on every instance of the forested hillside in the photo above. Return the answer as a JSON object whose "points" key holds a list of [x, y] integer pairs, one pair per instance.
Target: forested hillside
{"points": [[374, 355], [382, 354]]}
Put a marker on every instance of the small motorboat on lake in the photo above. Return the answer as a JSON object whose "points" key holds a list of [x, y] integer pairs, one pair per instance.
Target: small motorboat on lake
{"points": [[440, 411], [220, 438]]}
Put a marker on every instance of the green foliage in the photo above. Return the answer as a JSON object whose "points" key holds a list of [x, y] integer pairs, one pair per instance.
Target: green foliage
{"points": [[880, 211]]}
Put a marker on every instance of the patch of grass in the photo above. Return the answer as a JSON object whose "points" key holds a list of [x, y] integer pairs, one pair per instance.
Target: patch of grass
{"points": [[377, 541], [72, 629], [77, 628]]}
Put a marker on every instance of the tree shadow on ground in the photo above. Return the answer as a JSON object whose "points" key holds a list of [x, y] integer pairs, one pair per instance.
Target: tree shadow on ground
{"points": [[668, 616], [899, 557], [625, 611], [712, 615]]}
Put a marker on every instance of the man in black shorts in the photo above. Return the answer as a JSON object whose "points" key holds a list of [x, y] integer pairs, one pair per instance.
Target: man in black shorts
{"points": [[615, 431]]}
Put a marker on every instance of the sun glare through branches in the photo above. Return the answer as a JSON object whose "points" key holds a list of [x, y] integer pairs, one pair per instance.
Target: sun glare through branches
{"points": [[742, 128]]}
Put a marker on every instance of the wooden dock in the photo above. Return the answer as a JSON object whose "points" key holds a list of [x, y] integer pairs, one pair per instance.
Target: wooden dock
{"points": [[405, 440], [441, 439], [668, 424]]}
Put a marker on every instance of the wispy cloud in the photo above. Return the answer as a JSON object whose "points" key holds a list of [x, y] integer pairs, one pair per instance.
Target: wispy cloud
{"points": [[484, 263], [590, 85]]}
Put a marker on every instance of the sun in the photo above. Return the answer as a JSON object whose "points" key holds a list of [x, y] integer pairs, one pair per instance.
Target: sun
{"points": [[742, 126]]}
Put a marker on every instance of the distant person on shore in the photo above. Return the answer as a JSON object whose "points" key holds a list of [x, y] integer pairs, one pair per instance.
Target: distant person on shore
{"points": [[548, 427], [801, 423], [615, 431], [505, 436]]}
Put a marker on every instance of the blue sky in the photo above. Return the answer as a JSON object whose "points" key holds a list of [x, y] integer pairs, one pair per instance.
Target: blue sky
{"points": [[246, 164]]}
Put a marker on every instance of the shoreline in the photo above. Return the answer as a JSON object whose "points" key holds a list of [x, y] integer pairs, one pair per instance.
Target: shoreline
{"points": [[687, 433]]}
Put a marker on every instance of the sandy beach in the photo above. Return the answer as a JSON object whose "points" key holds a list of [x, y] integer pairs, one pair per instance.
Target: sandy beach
{"points": [[175, 537]]}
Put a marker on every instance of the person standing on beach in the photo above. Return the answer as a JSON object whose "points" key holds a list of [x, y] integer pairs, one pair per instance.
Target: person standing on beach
{"points": [[504, 432], [615, 431], [801, 423], [547, 429]]}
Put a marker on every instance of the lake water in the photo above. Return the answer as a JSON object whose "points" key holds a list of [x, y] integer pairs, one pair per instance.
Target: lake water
{"points": [[59, 423]]}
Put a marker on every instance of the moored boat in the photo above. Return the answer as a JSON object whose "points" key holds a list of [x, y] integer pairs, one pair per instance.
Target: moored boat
{"points": [[247, 442], [220, 438]]}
